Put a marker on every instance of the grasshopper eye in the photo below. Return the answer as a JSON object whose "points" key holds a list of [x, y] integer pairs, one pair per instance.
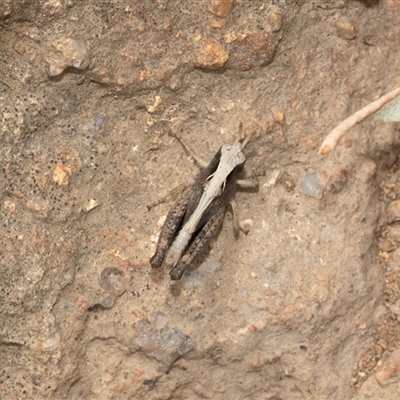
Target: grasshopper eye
{"points": [[226, 149], [241, 157]]}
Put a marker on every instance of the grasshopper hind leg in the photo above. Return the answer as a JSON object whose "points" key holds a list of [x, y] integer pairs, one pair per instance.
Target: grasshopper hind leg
{"points": [[202, 239], [169, 230]]}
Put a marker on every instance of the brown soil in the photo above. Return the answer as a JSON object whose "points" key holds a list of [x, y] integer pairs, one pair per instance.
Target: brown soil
{"points": [[305, 306]]}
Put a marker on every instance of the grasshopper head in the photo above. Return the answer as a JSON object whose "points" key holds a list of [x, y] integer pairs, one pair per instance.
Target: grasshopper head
{"points": [[232, 155]]}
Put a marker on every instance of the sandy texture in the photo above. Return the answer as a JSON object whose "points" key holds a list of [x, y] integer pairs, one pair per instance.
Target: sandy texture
{"points": [[305, 306]]}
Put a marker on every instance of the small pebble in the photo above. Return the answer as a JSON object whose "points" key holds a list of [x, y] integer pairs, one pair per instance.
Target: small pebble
{"points": [[246, 225], [51, 344], [220, 8], [149, 338], [174, 83], [367, 169], [310, 186], [274, 21], [156, 105], [91, 204], [62, 172], [393, 211], [336, 181], [191, 279], [389, 373], [165, 344], [74, 54], [158, 319], [209, 266], [38, 205], [211, 55], [113, 281], [386, 245], [272, 179], [63, 303], [345, 30], [108, 301], [98, 123], [370, 40]]}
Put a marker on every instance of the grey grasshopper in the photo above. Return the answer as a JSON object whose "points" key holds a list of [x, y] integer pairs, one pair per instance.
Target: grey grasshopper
{"points": [[195, 217]]}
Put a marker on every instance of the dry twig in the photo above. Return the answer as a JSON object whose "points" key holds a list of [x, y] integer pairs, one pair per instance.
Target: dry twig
{"points": [[336, 134]]}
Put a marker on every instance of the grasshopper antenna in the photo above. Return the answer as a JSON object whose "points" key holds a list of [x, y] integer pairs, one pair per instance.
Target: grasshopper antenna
{"points": [[247, 138]]}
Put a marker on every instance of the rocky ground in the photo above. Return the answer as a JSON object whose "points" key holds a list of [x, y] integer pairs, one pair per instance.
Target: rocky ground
{"points": [[305, 306]]}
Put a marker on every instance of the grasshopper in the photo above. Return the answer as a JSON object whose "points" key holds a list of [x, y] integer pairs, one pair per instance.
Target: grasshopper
{"points": [[196, 216]]}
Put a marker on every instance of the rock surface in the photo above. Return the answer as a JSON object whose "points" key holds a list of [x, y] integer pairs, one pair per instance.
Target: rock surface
{"points": [[305, 306]]}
